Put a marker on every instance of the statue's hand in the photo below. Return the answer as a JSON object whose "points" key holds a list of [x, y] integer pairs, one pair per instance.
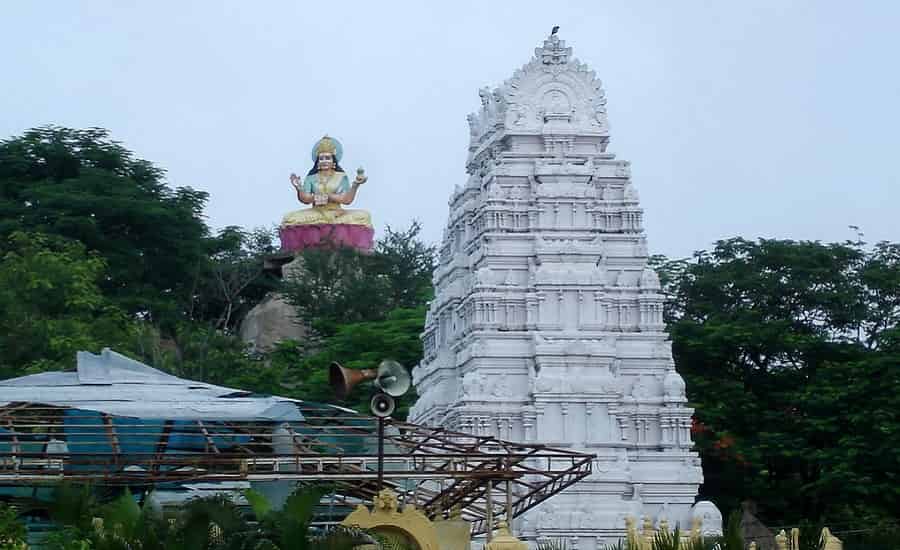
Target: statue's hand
{"points": [[295, 181], [360, 177]]}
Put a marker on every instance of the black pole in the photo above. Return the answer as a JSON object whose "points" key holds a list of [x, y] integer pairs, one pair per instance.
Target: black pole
{"points": [[380, 453]]}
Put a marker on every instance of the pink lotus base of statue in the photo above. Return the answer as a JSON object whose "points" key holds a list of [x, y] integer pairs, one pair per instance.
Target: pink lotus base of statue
{"points": [[324, 235]]}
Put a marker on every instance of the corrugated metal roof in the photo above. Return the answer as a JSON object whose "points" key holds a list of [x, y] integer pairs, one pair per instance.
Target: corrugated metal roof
{"points": [[114, 384]]}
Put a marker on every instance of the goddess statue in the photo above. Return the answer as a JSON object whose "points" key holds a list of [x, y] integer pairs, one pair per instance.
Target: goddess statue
{"points": [[327, 189]]}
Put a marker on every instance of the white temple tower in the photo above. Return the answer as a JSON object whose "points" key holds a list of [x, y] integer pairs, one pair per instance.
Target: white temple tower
{"points": [[547, 324]]}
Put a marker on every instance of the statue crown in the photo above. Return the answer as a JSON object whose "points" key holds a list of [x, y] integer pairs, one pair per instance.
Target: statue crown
{"points": [[326, 145]]}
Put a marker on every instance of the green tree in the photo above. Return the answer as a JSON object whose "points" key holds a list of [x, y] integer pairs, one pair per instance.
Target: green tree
{"points": [[407, 263], [355, 345], [341, 285], [365, 307], [12, 530], [232, 278], [786, 349], [81, 185], [51, 305]]}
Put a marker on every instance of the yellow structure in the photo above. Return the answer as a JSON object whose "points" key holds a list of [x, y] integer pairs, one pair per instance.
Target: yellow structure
{"points": [[781, 540], [785, 542], [505, 540], [409, 526], [831, 541], [648, 533], [454, 533], [643, 539]]}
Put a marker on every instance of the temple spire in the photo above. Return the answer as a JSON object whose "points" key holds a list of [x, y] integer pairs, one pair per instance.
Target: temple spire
{"points": [[554, 50]]}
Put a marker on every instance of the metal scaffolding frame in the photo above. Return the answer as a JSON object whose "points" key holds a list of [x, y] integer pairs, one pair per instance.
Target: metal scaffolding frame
{"points": [[432, 468]]}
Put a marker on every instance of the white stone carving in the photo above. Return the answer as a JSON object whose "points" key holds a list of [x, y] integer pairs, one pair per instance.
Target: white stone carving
{"points": [[709, 516], [547, 321], [642, 389], [472, 385], [674, 386]]}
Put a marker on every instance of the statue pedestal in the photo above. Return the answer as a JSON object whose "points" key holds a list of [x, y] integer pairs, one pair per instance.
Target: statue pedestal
{"points": [[300, 237]]}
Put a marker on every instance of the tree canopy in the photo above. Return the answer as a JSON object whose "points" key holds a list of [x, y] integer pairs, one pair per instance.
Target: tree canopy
{"points": [[342, 285], [83, 186], [51, 305], [790, 354]]}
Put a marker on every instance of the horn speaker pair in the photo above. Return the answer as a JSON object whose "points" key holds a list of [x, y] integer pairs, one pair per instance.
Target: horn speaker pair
{"points": [[390, 377]]}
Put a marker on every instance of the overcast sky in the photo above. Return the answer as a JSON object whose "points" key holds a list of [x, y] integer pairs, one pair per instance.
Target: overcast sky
{"points": [[773, 119]]}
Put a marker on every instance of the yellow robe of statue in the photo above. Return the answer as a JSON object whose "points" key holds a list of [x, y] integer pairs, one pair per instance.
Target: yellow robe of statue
{"points": [[330, 213]]}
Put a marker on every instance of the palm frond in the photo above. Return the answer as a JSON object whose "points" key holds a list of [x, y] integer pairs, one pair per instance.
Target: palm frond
{"points": [[732, 538], [553, 544], [664, 540]]}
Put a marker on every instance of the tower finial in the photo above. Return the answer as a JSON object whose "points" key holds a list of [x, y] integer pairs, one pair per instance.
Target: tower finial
{"points": [[554, 51]]}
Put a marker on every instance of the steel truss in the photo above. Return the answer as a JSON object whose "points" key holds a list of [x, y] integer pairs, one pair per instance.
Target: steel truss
{"points": [[434, 469]]}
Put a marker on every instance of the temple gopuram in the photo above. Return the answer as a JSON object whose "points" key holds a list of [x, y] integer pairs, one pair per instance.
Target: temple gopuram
{"points": [[547, 321]]}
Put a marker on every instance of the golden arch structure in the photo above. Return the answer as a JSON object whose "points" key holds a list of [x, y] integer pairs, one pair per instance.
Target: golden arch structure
{"points": [[410, 525]]}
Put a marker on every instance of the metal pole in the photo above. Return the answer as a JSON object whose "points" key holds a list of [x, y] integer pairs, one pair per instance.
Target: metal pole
{"points": [[380, 453], [489, 516], [509, 503]]}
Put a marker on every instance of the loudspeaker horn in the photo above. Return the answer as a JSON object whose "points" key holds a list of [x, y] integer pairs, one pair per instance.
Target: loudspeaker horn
{"points": [[390, 377], [393, 378], [382, 405], [342, 380]]}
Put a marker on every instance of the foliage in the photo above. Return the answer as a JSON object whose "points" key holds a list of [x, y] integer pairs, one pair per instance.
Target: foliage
{"points": [[12, 531], [231, 279], [364, 307], [286, 528], [359, 345], [703, 543], [667, 540], [875, 537], [120, 524], [83, 186], [732, 537], [789, 352], [213, 523], [809, 537], [408, 264], [199, 352], [558, 544], [73, 505], [216, 522], [97, 251], [51, 304], [67, 538], [342, 285]]}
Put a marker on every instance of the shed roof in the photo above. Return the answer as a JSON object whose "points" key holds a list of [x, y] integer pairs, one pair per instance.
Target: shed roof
{"points": [[112, 383]]}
